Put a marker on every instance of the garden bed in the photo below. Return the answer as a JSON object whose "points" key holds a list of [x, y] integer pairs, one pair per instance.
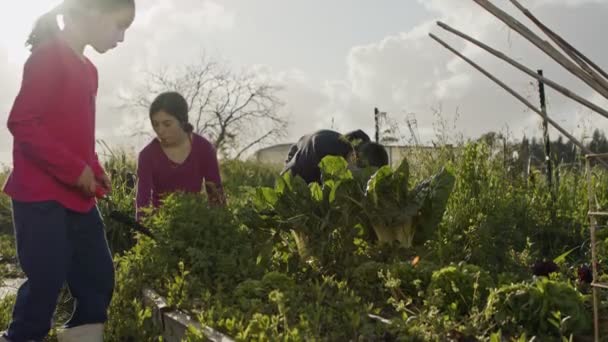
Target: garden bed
{"points": [[174, 323]]}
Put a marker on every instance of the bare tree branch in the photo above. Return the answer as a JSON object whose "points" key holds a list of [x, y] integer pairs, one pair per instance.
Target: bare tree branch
{"points": [[235, 111], [253, 143]]}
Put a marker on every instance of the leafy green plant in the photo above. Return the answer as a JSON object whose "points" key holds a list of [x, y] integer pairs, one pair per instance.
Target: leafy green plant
{"points": [[238, 176], [544, 307], [322, 220], [6, 310], [322, 309], [129, 319], [8, 251], [6, 222], [121, 169], [459, 289], [215, 248], [244, 274], [398, 213]]}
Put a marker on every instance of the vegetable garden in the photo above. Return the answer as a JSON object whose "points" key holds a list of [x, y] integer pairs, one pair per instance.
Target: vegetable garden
{"points": [[463, 245], [443, 250]]}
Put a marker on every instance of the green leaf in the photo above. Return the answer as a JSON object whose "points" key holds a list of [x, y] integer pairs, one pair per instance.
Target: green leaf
{"points": [[316, 192], [432, 195], [379, 185], [268, 195], [562, 258], [496, 337], [400, 180], [334, 168]]}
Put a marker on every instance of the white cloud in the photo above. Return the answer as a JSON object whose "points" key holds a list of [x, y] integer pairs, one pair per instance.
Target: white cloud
{"points": [[410, 71], [403, 72], [7, 90], [165, 34]]}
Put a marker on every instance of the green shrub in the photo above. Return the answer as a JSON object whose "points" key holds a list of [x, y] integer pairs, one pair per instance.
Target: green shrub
{"points": [[459, 289], [544, 308]]}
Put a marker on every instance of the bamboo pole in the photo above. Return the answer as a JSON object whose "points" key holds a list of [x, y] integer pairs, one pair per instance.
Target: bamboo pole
{"points": [[544, 46], [578, 56], [550, 83], [515, 94], [592, 231], [546, 139]]}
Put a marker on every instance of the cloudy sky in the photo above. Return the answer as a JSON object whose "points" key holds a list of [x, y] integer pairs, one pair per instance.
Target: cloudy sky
{"points": [[336, 60]]}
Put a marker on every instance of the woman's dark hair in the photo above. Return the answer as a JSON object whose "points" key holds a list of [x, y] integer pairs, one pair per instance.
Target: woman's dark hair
{"points": [[174, 104], [46, 26]]}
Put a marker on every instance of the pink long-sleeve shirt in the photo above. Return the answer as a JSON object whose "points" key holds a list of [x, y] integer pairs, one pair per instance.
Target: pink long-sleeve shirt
{"points": [[158, 175], [52, 122]]}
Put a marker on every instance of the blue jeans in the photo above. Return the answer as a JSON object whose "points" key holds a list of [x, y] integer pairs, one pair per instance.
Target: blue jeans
{"points": [[57, 246]]}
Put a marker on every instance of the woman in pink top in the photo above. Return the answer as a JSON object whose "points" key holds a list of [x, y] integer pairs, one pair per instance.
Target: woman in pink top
{"points": [[59, 232], [177, 160]]}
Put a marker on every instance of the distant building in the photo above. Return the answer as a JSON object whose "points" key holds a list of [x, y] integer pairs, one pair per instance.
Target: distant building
{"points": [[276, 154]]}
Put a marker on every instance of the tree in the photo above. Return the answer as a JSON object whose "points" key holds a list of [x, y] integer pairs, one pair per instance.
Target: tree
{"points": [[599, 143], [236, 111]]}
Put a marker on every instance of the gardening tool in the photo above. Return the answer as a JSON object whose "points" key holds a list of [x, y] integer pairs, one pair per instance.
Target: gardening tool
{"points": [[101, 194]]}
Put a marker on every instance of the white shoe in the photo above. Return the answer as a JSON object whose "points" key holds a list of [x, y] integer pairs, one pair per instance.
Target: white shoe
{"points": [[82, 333]]}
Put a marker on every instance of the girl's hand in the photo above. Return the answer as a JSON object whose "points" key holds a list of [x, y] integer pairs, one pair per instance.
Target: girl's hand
{"points": [[106, 183], [86, 182]]}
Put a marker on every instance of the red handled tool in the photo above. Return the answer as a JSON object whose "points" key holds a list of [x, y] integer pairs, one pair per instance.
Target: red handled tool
{"points": [[100, 191]]}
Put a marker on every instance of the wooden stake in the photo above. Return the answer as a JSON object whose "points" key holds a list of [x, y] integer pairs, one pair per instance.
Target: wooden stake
{"points": [[547, 141], [600, 87], [514, 93], [575, 54], [540, 78]]}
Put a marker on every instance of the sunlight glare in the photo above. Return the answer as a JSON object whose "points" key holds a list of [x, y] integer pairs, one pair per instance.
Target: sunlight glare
{"points": [[16, 21]]}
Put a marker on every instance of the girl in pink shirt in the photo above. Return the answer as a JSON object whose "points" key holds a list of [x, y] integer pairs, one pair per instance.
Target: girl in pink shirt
{"points": [[59, 233], [177, 160]]}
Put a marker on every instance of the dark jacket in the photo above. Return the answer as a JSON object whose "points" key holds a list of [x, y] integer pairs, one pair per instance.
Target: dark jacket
{"points": [[304, 157]]}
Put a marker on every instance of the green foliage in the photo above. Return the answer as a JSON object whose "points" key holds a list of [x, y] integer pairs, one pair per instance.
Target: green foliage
{"points": [[398, 213], [6, 310], [544, 308], [8, 257], [322, 220], [488, 220], [383, 283], [7, 247], [215, 248], [459, 289], [499, 228], [322, 309], [365, 280], [413, 279], [238, 176], [129, 319], [121, 169], [289, 261], [6, 222]]}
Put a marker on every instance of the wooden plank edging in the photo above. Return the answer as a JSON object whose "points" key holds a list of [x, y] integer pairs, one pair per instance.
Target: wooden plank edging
{"points": [[174, 323]]}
